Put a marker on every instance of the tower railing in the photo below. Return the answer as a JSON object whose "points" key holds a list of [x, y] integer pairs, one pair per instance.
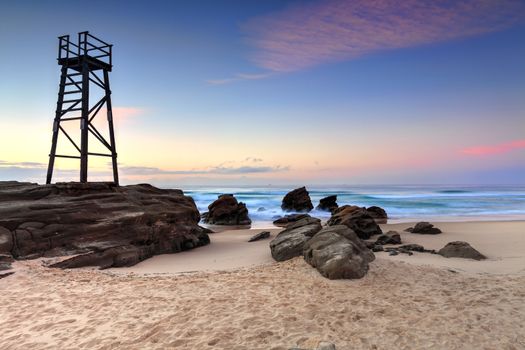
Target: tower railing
{"points": [[87, 45]]}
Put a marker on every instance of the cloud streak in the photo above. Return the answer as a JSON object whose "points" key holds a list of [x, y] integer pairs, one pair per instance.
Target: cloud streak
{"points": [[239, 77], [217, 170], [494, 149], [307, 35]]}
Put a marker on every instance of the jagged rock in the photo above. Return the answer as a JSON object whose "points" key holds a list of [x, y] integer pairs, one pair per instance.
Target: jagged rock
{"points": [[357, 219], [285, 220], [259, 236], [297, 200], [378, 213], [107, 224], [408, 249], [6, 241], [290, 242], [424, 228], [337, 252], [391, 237], [460, 249], [227, 211], [261, 209], [328, 203]]}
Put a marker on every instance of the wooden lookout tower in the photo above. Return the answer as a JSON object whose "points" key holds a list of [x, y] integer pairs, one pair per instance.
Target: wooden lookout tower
{"points": [[84, 64]]}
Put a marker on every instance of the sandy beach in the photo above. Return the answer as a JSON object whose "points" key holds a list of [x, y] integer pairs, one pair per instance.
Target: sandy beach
{"points": [[231, 295]]}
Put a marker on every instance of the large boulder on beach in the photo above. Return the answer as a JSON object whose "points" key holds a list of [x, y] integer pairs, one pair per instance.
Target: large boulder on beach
{"points": [[290, 242], [357, 219], [460, 249], [103, 224], [328, 203], [297, 200], [379, 214], [424, 228], [226, 210], [337, 253]]}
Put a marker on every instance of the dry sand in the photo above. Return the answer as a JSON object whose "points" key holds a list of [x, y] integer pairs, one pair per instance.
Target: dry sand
{"points": [[398, 305]]}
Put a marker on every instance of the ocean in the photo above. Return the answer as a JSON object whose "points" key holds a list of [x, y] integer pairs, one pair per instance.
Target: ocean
{"points": [[402, 203]]}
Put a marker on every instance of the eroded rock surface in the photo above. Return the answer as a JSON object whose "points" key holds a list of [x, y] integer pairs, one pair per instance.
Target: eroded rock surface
{"points": [[460, 249], [226, 210], [378, 213], [287, 219], [297, 200], [357, 219], [290, 242], [328, 203], [337, 253], [107, 225]]}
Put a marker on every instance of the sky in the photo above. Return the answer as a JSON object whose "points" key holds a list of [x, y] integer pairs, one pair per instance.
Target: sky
{"points": [[278, 92]]}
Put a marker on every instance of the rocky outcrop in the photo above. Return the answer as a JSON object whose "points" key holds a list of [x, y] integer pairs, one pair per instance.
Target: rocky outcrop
{"points": [[378, 213], [259, 236], [357, 219], [290, 242], [297, 200], [227, 211], [287, 219], [460, 249], [424, 228], [337, 253], [328, 203], [391, 237], [107, 225]]}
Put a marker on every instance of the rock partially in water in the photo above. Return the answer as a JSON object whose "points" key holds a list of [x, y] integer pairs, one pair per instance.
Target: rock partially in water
{"points": [[357, 219], [107, 225], [460, 249], [338, 253], [227, 211], [290, 242], [297, 200], [328, 203]]}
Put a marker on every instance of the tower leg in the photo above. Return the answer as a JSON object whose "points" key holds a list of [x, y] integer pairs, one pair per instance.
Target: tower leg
{"points": [[84, 124], [56, 124], [111, 130]]}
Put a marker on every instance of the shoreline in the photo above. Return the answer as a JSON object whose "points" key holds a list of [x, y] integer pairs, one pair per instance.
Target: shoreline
{"points": [[229, 250]]}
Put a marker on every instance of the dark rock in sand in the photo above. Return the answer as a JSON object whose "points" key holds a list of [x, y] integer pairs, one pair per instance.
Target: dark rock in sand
{"points": [[259, 236], [378, 213], [285, 220], [391, 237], [297, 200], [226, 211], [337, 253], [328, 203], [460, 249], [377, 248], [424, 228], [357, 219], [107, 225], [290, 242]]}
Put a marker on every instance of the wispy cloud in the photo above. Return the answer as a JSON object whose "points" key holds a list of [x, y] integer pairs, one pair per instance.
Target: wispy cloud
{"points": [[309, 34], [217, 170], [494, 149], [239, 77]]}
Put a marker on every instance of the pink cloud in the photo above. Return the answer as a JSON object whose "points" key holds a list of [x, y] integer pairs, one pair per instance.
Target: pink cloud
{"points": [[496, 149], [125, 113], [305, 35]]}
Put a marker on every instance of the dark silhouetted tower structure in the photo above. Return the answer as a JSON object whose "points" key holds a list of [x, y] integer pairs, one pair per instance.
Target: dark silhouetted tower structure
{"points": [[87, 62]]}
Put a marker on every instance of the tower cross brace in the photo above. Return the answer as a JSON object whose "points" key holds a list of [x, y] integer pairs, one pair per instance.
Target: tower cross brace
{"points": [[86, 62]]}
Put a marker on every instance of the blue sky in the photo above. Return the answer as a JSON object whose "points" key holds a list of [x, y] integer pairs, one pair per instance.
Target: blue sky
{"points": [[317, 92]]}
